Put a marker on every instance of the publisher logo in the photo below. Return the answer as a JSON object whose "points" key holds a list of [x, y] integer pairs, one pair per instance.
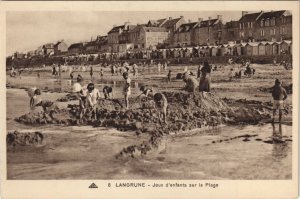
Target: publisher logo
{"points": [[93, 186]]}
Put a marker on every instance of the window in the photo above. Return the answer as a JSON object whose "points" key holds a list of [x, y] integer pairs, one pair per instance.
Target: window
{"points": [[251, 25], [262, 23], [274, 31], [262, 33], [283, 30], [240, 26], [273, 21], [271, 31], [283, 19], [267, 23]]}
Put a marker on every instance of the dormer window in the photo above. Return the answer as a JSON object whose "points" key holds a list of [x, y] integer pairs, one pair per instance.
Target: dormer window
{"points": [[267, 22], [262, 23]]}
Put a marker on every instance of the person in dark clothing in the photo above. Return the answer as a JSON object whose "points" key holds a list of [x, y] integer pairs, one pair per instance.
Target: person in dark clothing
{"points": [[279, 95], [169, 76], [91, 72], [71, 75], [107, 90], [145, 91], [199, 71], [79, 78], [205, 81]]}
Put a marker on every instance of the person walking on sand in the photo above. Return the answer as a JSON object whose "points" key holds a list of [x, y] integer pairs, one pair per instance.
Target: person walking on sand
{"points": [[135, 70], [91, 72], [158, 67], [169, 76], [231, 74], [161, 104], [101, 72], [199, 71], [126, 89], [279, 95], [71, 75], [92, 97]]}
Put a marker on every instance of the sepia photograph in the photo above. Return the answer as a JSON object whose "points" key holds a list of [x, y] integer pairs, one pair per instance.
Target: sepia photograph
{"points": [[150, 95]]}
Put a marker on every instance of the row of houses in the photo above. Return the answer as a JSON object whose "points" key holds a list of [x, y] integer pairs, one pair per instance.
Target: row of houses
{"points": [[272, 26]]}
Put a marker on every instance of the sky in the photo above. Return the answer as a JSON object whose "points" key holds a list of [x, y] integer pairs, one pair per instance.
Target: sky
{"points": [[26, 31]]}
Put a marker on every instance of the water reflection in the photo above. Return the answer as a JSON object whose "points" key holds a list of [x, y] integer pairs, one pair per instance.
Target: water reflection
{"points": [[280, 147]]}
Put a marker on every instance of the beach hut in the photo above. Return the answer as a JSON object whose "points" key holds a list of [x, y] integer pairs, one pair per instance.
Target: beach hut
{"points": [[276, 48], [241, 49], [268, 48], [222, 49], [262, 48], [254, 48], [213, 50], [285, 46]]}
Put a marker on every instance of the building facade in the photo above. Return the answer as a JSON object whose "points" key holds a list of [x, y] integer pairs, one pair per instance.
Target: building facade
{"points": [[143, 37], [185, 35], [60, 48], [265, 26]]}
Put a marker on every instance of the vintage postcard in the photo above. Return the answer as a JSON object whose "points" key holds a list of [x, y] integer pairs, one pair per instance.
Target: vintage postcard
{"points": [[162, 99]]}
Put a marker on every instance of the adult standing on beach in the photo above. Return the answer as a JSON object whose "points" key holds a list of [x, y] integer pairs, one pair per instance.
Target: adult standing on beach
{"points": [[279, 95], [205, 80], [91, 72]]}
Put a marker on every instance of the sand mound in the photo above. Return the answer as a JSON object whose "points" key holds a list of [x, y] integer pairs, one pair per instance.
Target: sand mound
{"points": [[24, 139], [155, 145], [186, 111]]}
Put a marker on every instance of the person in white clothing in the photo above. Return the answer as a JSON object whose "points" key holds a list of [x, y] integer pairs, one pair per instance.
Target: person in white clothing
{"points": [[93, 95]]}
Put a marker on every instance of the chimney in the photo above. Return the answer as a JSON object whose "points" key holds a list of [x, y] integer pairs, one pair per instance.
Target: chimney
{"points": [[181, 16], [219, 17], [189, 21], [114, 25], [244, 13], [170, 18], [200, 20]]}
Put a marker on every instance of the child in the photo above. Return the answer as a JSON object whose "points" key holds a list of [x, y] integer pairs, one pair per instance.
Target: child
{"points": [[231, 74], [145, 91], [162, 104], [71, 75], [93, 95], [107, 90], [126, 88], [101, 72], [79, 78], [81, 95]]}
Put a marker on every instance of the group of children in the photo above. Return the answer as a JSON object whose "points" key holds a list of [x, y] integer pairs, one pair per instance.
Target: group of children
{"points": [[88, 96]]}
